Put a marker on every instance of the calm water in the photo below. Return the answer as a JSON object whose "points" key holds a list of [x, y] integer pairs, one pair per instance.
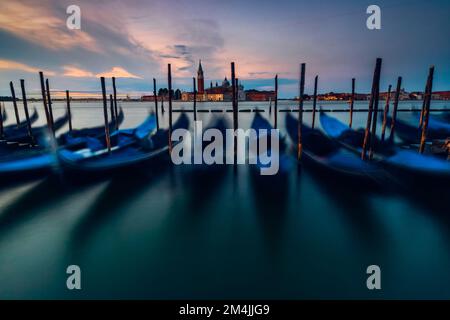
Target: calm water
{"points": [[173, 234]]}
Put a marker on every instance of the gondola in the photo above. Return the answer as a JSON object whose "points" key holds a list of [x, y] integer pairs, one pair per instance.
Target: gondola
{"points": [[204, 179], [260, 123], [131, 149], [31, 161], [39, 134], [407, 163], [10, 130], [79, 135], [321, 152], [274, 187], [411, 134], [4, 114]]}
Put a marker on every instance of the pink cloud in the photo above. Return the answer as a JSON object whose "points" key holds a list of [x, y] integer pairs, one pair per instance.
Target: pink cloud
{"points": [[71, 71], [117, 72], [13, 65]]}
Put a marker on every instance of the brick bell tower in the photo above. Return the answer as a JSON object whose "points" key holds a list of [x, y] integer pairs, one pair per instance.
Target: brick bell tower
{"points": [[200, 79]]}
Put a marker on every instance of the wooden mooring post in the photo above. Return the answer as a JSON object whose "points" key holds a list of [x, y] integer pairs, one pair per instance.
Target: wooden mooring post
{"points": [[69, 112], [424, 101], [276, 104], [195, 98], [105, 114], [237, 95], [1, 120], [300, 111], [314, 103], [50, 107], [426, 114], [235, 111], [373, 135], [169, 81], [111, 108], [386, 112], [116, 124], [375, 82], [44, 101], [16, 110], [25, 108], [394, 109], [155, 97], [352, 101]]}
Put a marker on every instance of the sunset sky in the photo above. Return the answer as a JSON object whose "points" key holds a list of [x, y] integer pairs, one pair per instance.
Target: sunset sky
{"points": [[134, 40]]}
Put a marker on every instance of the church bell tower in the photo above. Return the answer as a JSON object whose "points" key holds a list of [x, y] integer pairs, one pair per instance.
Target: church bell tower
{"points": [[200, 79]]}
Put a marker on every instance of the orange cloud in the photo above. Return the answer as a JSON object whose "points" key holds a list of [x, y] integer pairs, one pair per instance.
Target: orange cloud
{"points": [[117, 72], [38, 24], [71, 71], [13, 65]]}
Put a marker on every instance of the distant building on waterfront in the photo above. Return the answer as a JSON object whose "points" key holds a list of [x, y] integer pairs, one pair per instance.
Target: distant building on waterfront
{"points": [[257, 95], [213, 93], [441, 95]]}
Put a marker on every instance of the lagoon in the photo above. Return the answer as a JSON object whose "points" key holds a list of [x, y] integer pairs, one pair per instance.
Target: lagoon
{"points": [[175, 234]]}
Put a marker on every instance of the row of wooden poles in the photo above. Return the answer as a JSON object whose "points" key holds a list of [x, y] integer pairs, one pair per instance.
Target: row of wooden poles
{"points": [[371, 124], [369, 134], [47, 102]]}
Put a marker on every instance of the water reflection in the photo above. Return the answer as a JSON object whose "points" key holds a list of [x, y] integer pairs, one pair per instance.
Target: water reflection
{"points": [[188, 232]]}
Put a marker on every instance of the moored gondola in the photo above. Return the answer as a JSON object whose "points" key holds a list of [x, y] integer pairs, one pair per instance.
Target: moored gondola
{"points": [[39, 134], [131, 149], [321, 152], [407, 163], [10, 130], [263, 130], [79, 135], [409, 133]]}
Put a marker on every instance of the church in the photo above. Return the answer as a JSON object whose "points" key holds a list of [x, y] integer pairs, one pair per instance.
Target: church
{"points": [[216, 93]]}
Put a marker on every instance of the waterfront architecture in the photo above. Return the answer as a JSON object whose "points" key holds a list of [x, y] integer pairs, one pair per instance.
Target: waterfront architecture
{"points": [[257, 95], [216, 93]]}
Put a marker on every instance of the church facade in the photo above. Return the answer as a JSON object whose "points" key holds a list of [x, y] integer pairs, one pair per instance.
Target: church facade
{"points": [[216, 93]]}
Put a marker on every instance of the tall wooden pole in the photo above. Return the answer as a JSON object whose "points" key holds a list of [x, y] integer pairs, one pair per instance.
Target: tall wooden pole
{"points": [[426, 115], [115, 102], [235, 111], [275, 106], [300, 111], [375, 118], [195, 99], [237, 95], [16, 110], [44, 101], [25, 108], [111, 108], [352, 100], [394, 110], [375, 81], [386, 112], [155, 97], [169, 78], [50, 108], [314, 102], [105, 114], [69, 112], [1, 120], [424, 102]]}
